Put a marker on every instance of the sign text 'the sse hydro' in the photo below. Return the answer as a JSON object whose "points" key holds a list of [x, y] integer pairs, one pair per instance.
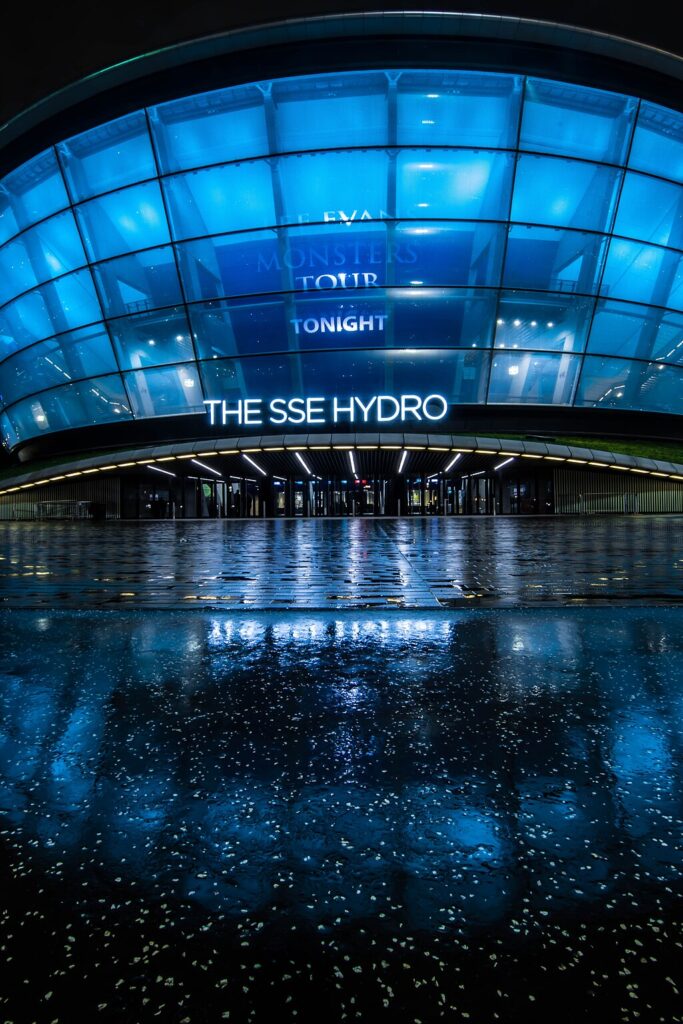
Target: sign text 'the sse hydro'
{"points": [[317, 410]]}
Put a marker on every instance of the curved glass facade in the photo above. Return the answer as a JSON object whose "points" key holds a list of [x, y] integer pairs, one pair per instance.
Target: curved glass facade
{"points": [[490, 237]]}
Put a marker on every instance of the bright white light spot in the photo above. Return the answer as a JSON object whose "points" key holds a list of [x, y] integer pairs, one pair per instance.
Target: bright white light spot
{"points": [[513, 370]]}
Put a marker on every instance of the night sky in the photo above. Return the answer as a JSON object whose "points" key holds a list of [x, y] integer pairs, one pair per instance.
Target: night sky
{"points": [[61, 45]]}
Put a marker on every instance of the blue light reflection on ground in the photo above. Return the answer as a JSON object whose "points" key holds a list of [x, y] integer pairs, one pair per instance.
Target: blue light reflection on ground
{"points": [[468, 799]]}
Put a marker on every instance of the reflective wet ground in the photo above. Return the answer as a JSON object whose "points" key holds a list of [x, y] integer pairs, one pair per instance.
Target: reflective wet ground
{"points": [[323, 564], [469, 815]]}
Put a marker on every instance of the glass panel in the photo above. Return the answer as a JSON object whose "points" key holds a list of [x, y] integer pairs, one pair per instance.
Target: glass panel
{"points": [[658, 142], [437, 317], [427, 317], [338, 187], [8, 433], [345, 109], [231, 198], [542, 322], [130, 219], [566, 193], [625, 329], [458, 375], [32, 192], [167, 391], [77, 354], [643, 273], [227, 124], [112, 155], [337, 257], [452, 254], [231, 265], [460, 184], [142, 281], [553, 260], [152, 339], [100, 400], [457, 108], [620, 384], [651, 211], [55, 307], [46, 251], [571, 120], [241, 326], [532, 378]]}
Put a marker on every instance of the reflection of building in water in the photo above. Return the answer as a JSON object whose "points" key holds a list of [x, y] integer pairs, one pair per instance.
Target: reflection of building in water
{"points": [[505, 738]]}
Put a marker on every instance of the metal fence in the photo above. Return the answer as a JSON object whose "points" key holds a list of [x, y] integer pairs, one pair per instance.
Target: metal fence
{"points": [[85, 499], [591, 493]]}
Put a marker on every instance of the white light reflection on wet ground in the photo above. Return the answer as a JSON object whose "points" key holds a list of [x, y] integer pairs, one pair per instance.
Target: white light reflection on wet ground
{"points": [[321, 564]]}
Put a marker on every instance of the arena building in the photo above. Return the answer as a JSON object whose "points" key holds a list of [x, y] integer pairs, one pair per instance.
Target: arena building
{"points": [[380, 264]]}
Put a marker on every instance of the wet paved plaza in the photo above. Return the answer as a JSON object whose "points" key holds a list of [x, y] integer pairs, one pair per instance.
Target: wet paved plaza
{"points": [[413, 810], [359, 563]]}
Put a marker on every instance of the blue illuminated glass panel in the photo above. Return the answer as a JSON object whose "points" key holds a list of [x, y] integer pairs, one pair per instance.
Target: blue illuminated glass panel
{"points": [[651, 211], [32, 192], [539, 321], [451, 254], [348, 109], [62, 305], [461, 375], [532, 378], [640, 332], [344, 186], [152, 339], [571, 120], [165, 391], [459, 184], [39, 254], [552, 260], [658, 142], [107, 157], [100, 400], [458, 108], [132, 218], [231, 198], [72, 356], [643, 273], [441, 318], [242, 327], [8, 434], [241, 264], [625, 384], [228, 124], [145, 280], [565, 193]]}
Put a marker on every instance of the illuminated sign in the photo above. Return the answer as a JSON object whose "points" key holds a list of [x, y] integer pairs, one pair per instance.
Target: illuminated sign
{"points": [[254, 412], [339, 324]]}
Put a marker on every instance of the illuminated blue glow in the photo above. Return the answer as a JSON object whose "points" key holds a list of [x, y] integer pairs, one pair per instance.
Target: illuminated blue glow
{"points": [[394, 230]]}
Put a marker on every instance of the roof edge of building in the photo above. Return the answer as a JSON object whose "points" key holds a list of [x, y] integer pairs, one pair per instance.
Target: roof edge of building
{"points": [[449, 444], [392, 23]]}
